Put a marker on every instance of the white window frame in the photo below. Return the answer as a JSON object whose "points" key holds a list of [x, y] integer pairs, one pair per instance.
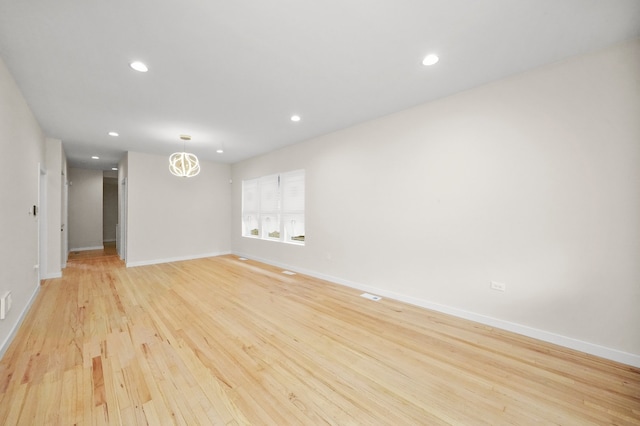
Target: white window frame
{"points": [[273, 207]]}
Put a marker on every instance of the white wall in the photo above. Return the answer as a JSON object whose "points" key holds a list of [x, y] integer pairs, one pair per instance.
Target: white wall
{"points": [[171, 218], [532, 181], [21, 152], [85, 209]]}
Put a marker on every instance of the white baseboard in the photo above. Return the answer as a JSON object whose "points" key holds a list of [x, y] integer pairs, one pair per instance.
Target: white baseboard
{"points": [[174, 259], [86, 248], [546, 336], [109, 241], [52, 275], [16, 326]]}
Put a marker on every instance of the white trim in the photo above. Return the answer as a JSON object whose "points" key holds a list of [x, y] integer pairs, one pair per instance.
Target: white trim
{"points": [[86, 248], [16, 326], [546, 336], [109, 241], [174, 259], [52, 275], [42, 222]]}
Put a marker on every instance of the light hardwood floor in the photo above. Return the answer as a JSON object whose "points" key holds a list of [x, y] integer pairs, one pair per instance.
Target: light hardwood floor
{"points": [[225, 341]]}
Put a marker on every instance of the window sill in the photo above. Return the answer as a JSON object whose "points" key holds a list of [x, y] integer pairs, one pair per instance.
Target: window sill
{"points": [[275, 240]]}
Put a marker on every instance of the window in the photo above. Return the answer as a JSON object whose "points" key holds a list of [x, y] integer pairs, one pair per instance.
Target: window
{"points": [[273, 207]]}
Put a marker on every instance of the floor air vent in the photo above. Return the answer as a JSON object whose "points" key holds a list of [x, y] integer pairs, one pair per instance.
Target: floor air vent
{"points": [[370, 296], [288, 273]]}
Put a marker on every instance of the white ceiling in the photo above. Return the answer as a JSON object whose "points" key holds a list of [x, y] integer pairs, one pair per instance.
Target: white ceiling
{"points": [[231, 73]]}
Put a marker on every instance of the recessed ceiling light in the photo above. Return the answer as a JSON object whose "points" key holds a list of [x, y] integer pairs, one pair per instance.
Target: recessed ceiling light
{"points": [[113, 134], [114, 168], [95, 157], [219, 151], [139, 66], [295, 118], [430, 60]]}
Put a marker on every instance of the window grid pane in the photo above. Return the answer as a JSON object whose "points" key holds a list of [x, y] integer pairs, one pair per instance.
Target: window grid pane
{"points": [[273, 207]]}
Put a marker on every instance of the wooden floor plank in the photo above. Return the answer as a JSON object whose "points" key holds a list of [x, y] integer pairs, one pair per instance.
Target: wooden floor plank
{"points": [[224, 341]]}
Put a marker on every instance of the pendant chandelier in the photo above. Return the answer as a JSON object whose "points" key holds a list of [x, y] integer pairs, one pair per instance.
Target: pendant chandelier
{"points": [[184, 164]]}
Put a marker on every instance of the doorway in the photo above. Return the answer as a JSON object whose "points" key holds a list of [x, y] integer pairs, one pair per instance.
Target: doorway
{"points": [[41, 212]]}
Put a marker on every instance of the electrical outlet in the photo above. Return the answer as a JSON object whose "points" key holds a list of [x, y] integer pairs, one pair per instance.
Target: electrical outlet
{"points": [[5, 305], [498, 286]]}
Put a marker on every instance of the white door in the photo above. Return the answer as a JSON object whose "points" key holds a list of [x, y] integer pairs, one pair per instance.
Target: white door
{"points": [[122, 220], [42, 223], [64, 249]]}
